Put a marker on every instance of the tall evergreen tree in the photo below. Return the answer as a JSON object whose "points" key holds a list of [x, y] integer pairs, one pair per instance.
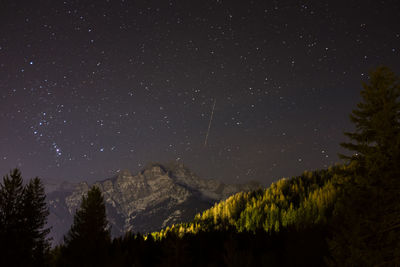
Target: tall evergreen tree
{"points": [[35, 214], [23, 214], [11, 207], [367, 230], [88, 239]]}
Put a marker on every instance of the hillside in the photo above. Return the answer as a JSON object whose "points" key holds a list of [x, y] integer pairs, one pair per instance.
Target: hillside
{"points": [[299, 202]]}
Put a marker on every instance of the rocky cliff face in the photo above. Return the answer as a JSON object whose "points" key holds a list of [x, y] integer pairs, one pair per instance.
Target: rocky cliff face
{"points": [[158, 196]]}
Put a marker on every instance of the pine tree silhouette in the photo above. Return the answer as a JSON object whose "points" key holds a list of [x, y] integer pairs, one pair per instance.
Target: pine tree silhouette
{"points": [[367, 225], [23, 216], [87, 241]]}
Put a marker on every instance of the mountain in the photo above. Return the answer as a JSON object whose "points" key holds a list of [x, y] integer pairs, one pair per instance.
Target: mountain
{"points": [[299, 202], [158, 196]]}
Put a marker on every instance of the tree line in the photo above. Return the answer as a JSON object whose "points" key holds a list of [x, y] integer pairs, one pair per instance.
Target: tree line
{"points": [[346, 215]]}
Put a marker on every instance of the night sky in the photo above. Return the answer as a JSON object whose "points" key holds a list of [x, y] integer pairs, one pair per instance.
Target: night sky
{"points": [[88, 88]]}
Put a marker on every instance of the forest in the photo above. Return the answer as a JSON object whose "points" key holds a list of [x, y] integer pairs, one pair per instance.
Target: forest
{"points": [[346, 215]]}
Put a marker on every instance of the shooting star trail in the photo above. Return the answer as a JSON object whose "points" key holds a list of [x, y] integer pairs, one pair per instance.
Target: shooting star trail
{"points": [[209, 124]]}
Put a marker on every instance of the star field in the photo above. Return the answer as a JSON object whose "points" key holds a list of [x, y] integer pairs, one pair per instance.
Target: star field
{"points": [[91, 87]]}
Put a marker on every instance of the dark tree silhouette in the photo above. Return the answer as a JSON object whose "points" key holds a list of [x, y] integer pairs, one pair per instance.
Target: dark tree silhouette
{"points": [[36, 212], [88, 239], [11, 206], [23, 216], [367, 230]]}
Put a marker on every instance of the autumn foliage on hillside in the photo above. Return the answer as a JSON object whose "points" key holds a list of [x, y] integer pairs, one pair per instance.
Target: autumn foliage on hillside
{"points": [[297, 203]]}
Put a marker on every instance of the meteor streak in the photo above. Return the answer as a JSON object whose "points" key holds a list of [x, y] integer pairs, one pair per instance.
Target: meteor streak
{"points": [[209, 124]]}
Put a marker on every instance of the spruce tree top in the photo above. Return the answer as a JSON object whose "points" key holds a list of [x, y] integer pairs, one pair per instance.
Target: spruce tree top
{"points": [[377, 119]]}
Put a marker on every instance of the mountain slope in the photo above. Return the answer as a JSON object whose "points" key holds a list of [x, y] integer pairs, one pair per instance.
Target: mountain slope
{"points": [[299, 202], [158, 196]]}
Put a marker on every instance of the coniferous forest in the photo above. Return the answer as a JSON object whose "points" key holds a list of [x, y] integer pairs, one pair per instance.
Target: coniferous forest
{"points": [[346, 215]]}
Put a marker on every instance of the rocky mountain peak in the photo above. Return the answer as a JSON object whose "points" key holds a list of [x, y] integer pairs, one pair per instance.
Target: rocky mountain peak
{"points": [[154, 170], [158, 196], [125, 173]]}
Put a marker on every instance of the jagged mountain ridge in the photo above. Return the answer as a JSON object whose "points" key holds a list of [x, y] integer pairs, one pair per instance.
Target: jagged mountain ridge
{"points": [[158, 196]]}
